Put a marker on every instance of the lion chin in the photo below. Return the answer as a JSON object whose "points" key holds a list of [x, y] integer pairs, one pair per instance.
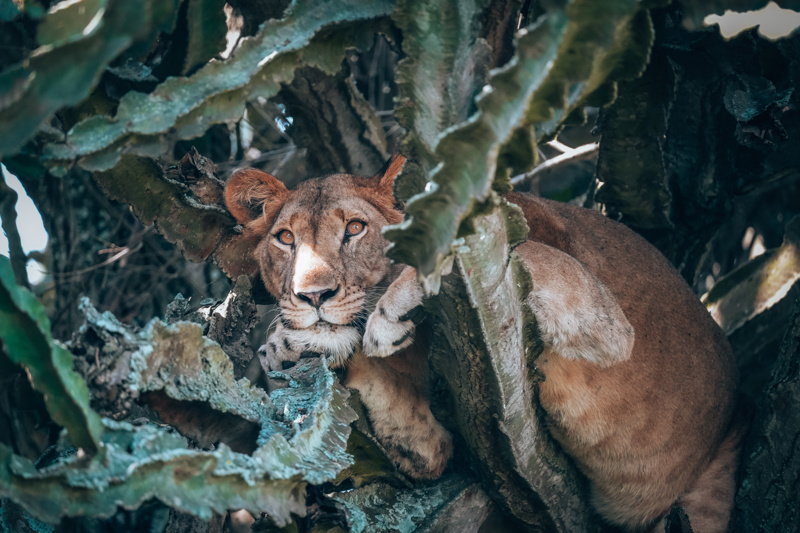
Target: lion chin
{"points": [[336, 342]]}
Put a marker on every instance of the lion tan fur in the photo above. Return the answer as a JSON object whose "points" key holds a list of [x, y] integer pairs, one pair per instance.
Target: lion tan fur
{"points": [[649, 424], [640, 381], [327, 283]]}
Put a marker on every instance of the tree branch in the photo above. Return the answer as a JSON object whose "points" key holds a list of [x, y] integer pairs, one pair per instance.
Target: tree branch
{"points": [[8, 213], [587, 151]]}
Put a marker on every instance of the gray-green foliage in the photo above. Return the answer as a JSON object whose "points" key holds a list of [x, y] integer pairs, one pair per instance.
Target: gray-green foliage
{"points": [[78, 43], [570, 57], [134, 463], [186, 106], [140, 463]]}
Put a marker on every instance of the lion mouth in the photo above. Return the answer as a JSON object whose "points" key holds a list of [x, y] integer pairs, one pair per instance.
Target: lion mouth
{"points": [[327, 326], [335, 341], [356, 321]]}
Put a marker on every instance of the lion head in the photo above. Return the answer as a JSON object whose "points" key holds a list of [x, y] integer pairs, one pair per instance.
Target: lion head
{"points": [[320, 249]]}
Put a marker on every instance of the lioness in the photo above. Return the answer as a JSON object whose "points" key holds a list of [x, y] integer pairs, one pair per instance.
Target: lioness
{"points": [[640, 381]]}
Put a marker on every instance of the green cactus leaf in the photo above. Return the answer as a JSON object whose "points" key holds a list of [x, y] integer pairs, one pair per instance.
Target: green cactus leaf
{"points": [[65, 71], [258, 67], [207, 30], [569, 58], [25, 332]]}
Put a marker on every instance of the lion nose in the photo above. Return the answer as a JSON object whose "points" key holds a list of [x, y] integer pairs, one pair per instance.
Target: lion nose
{"points": [[317, 298]]}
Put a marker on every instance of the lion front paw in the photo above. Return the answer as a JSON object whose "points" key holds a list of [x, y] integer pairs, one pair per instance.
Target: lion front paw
{"points": [[384, 336], [390, 328], [280, 352]]}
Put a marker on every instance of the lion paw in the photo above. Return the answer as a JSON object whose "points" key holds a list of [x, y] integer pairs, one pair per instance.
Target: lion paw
{"points": [[390, 328], [279, 353], [384, 336], [421, 457]]}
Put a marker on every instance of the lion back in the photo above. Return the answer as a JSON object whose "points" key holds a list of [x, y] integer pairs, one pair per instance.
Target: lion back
{"points": [[643, 420]]}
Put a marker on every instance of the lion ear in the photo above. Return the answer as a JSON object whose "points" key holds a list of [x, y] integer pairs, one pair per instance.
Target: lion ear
{"points": [[388, 173], [251, 193]]}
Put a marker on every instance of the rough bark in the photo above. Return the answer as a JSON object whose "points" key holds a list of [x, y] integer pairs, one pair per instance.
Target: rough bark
{"points": [[754, 303], [485, 351], [8, 214], [770, 484], [334, 123], [227, 322]]}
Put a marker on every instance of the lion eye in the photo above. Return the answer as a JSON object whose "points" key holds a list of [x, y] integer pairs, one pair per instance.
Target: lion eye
{"points": [[354, 227], [285, 237]]}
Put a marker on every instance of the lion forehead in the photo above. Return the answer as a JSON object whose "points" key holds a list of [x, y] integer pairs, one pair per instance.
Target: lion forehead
{"points": [[325, 215]]}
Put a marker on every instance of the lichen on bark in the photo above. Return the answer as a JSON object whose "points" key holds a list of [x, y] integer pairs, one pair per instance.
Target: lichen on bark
{"points": [[188, 381]]}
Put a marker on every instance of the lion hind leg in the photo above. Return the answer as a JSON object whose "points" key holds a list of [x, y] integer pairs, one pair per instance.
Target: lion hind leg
{"points": [[708, 504], [577, 314]]}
